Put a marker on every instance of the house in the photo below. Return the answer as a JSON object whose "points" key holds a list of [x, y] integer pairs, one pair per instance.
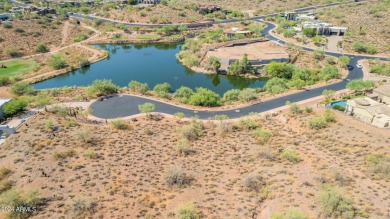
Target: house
{"points": [[369, 111], [382, 94], [230, 33], [295, 16], [323, 28], [39, 10], [2, 102], [4, 17], [148, 1], [16, 10]]}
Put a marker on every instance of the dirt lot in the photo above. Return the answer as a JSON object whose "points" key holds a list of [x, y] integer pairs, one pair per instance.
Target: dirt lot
{"points": [[25, 35], [126, 177], [367, 22]]}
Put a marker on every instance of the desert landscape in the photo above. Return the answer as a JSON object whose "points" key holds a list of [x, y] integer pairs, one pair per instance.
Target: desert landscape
{"points": [[255, 167]]}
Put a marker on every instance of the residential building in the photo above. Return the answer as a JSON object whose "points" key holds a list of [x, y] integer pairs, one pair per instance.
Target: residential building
{"points": [[230, 33], [382, 94], [39, 10], [369, 111], [148, 1], [205, 9], [323, 28], [295, 16]]}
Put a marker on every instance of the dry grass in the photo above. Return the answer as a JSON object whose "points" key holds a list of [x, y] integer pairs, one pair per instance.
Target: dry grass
{"points": [[231, 174]]}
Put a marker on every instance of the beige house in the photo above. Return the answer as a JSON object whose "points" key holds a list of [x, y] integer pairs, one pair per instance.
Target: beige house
{"points": [[382, 94], [369, 111]]}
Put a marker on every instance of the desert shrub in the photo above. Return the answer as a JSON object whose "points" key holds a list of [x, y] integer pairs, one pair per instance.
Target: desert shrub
{"points": [[290, 155], [179, 116], [317, 123], [22, 88], [11, 52], [183, 94], [295, 109], [41, 48], [183, 147], [379, 164], [80, 37], [334, 204], [138, 87], [253, 182], [261, 135], [120, 124], [41, 100], [329, 95], [231, 95], [329, 116], [146, 108], [59, 110], [49, 125], [204, 97], [224, 127], [20, 198], [4, 173], [7, 25], [292, 213], [84, 136], [14, 107], [247, 124], [308, 109], [188, 211], [176, 176], [162, 90], [102, 87], [84, 62], [4, 80], [91, 154], [247, 94], [82, 207], [56, 62], [192, 131], [64, 154]]}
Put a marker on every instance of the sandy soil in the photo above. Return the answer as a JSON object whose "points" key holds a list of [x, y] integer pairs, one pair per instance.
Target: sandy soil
{"points": [[126, 180]]}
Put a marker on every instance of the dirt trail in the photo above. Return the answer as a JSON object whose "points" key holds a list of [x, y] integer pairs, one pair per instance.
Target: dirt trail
{"points": [[65, 33]]}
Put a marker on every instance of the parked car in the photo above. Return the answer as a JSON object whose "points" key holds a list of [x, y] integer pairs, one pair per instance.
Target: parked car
{"points": [[359, 66]]}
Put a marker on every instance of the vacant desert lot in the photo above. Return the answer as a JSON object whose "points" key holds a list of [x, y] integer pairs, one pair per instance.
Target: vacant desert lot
{"points": [[368, 23], [115, 173]]}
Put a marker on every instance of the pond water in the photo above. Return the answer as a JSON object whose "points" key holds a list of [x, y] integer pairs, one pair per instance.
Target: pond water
{"points": [[152, 64]]}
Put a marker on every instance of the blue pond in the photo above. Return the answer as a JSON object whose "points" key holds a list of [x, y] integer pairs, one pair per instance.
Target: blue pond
{"points": [[150, 64], [342, 103]]}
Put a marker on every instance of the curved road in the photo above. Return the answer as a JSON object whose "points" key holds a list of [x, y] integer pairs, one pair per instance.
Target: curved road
{"points": [[126, 105]]}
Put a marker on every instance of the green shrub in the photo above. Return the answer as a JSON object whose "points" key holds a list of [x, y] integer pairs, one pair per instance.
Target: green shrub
{"points": [[247, 94], [80, 37], [329, 72], [91, 154], [295, 109], [63, 155], [120, 124], [102, 87], [329, 116], [22, 88], [7, 25], [146, 108], [317, 123], [4, 81], [247, 124], [188, 212], [290, 155], [183, 147], [23, 198], [276, 85], [334, 204], [162, 90], [183, 94], [292, 213], [10, 52], [280, 70], [379, 164], [57, 62], [14, 107], [360, 85], [308, 109], [339, 108], [204, 97], [138, 87], [41, 48], [231, 95], [261, 135]]}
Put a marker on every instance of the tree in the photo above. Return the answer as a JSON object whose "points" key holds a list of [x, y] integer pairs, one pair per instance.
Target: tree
{"points": [[138, 87], [280, 70], [57, 62], [231, 95], [328, 94], [22, 88], [344, 61], [146, 108], [309, 32], [359, 85], [102, 87], [204, 97], [276, 85], [162, 90], [241, 67], [329, 72], [215, 63], [183, 94]]}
